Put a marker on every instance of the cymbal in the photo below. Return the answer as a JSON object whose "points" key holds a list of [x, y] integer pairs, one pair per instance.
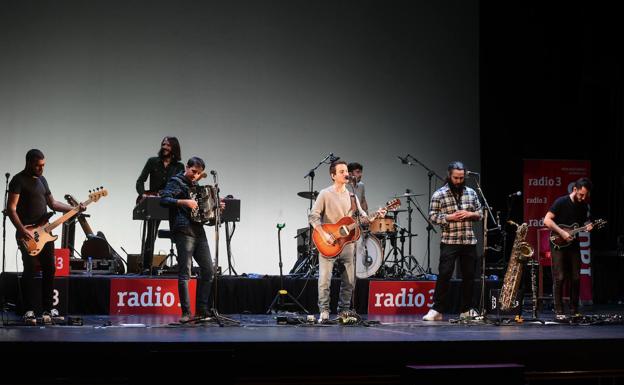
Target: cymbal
{"points": [[407, 195], [308, 195]]}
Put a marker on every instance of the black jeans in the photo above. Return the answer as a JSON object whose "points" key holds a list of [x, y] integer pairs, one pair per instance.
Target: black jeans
{"points": [[194, 247], [566, 267], [46, 259], [467, 255]]}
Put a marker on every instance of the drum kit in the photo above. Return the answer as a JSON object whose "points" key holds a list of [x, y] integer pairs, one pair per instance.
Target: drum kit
{"points": [[380, 250]]}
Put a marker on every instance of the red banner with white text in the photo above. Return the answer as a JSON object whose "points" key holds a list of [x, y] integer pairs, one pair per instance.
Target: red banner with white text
{"points": [[147, 296], [400, 297], [545, 181]]}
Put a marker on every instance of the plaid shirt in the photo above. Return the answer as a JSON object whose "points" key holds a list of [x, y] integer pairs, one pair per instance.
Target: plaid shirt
{"points": [[443, 203]]}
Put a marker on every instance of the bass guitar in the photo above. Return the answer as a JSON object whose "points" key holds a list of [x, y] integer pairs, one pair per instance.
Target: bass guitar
{"points": [[42, 231], [557, 240], [344, 231]]}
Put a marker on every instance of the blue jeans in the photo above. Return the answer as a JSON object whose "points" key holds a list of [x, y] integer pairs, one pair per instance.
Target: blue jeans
{"points": [[191, 247], [326, 266]]}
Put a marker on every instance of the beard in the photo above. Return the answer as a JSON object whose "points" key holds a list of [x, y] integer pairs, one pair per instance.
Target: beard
{"points": [[457, 189], [164, 153]]}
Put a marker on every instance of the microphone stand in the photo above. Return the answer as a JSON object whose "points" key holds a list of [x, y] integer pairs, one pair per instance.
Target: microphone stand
{"points": [[430, 227], [5, 213], [488, 214], [310, 175], [221, 320]]}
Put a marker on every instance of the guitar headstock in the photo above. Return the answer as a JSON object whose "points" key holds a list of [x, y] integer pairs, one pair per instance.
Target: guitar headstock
{"points": [[97, 193], [71, 200], [599, 223], [393, 204]]}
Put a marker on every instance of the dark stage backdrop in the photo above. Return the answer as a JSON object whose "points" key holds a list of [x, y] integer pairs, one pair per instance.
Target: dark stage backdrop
{"points": [[261, 90]]}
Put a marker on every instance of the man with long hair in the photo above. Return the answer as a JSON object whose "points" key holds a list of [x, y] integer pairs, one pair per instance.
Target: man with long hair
{"points": [[454, 207], [159, 169]]}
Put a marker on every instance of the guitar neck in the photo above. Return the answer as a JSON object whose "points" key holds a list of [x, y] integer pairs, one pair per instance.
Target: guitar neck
{"points": [[51, 226]]}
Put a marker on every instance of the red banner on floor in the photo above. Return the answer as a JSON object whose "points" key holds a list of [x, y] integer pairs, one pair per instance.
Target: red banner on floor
{"points": [[147, 296], [545, 181], [400, 297]]}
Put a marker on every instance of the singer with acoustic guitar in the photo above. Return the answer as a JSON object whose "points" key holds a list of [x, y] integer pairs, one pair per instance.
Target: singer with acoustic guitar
{"points": [[335, 204], [29, 197]]}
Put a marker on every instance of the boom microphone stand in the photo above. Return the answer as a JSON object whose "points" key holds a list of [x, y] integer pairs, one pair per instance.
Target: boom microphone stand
{"points": [[430, 175], [221, 320], [311, 174]]}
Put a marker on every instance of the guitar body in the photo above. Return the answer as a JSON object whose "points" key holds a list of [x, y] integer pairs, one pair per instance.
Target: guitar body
{"points": [[559, 243], [345, 231], [40, 236]]}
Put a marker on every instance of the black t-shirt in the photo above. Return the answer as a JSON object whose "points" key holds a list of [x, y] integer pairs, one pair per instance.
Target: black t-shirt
{"points": [[568, 212], [33, 194]]}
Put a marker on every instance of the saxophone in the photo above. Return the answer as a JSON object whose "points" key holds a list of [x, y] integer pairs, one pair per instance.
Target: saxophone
{"points": [[520, 253]]}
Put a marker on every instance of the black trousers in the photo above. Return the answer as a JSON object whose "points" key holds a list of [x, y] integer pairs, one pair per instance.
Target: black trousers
{"points": [[467, 255], [46, 259], [566, 267]]}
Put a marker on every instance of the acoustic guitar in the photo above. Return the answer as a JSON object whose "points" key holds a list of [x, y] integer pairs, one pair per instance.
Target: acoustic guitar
{"points": [[344, 231]]}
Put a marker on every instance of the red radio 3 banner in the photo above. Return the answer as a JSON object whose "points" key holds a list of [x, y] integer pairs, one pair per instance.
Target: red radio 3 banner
{"points": [[545, 181], [147, 296], [400, 297]]}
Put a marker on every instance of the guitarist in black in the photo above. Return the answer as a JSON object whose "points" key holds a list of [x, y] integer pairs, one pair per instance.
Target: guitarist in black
{"points": [[29, 195], [159, 169], [566, 262]]}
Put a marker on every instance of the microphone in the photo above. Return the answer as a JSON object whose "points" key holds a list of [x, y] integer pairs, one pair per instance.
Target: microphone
{"points": [[281, 225], [472, 173], [7, 175], [352, 178], [516, 194], [404, 160], [333, 158], [213, 172]]}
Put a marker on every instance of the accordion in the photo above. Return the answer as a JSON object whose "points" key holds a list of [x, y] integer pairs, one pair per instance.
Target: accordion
{"points": [[206, 198]]}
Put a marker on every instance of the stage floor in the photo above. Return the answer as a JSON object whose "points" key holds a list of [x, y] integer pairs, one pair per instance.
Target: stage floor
{"points": [[261, 351]]}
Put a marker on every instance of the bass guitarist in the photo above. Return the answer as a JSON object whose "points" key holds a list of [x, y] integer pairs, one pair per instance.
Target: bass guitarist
{"points": [[566, 262], [29, 195], [334, 203]]}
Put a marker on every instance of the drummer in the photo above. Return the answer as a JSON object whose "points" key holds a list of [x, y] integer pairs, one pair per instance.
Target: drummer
{"points": [[355, 185]]}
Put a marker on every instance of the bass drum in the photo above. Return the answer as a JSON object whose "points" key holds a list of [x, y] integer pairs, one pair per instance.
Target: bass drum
{"points": [[369, 256]]}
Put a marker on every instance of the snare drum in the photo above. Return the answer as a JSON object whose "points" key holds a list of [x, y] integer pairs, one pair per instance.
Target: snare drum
{"points": [[382, 226]]}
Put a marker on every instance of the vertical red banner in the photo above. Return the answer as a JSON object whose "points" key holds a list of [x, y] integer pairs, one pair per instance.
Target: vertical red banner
{"points": [[545, 181]]}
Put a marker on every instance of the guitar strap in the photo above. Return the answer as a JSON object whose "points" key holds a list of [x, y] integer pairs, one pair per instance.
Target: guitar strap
{"points": [[353, 209]]}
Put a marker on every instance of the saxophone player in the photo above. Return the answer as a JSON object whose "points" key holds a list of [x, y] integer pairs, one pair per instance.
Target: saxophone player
{"points": [[454, 207]]}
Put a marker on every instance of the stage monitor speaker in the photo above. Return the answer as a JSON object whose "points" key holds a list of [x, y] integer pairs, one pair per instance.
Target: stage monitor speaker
{"points": [[135, 262], [231, 213]]}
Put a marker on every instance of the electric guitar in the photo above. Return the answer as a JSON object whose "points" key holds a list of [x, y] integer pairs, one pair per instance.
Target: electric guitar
{"points": [[559, 243], [42, 231], [344, 231]]}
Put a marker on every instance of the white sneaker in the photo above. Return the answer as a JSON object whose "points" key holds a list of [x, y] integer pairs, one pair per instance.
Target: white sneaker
{"points": [[472, 313], [56, 316], [433, 315], [324, 316], [29, 318]]}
